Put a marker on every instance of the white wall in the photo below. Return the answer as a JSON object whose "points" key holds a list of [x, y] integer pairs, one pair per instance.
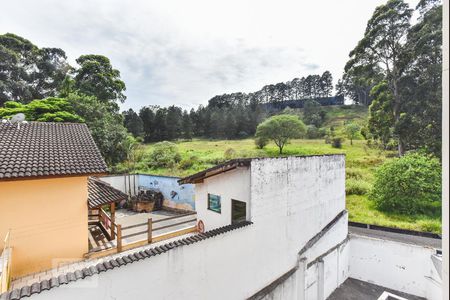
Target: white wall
{"points": [[234, 184], [402, 267], [292, 200], [118, 182]]}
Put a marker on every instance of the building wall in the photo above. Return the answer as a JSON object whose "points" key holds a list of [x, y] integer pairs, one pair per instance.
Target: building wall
{"points": [[239, 263], [48, 221], [175, 195], [403, 267], [234, 184]]}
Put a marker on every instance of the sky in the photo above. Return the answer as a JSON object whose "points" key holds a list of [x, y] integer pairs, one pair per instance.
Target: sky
{"points": [[185, 52]]}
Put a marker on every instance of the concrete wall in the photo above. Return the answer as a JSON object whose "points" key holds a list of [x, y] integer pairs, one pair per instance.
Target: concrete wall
{"points": [[292, 200], [175, 195], [48, 221], [233, 184], [403, 267]]}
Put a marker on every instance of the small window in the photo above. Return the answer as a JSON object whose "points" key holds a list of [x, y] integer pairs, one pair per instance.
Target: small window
{"points": [[214, 203]]}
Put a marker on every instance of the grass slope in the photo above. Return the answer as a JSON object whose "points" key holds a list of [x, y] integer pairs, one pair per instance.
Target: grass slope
{"points": [[361, 162]]}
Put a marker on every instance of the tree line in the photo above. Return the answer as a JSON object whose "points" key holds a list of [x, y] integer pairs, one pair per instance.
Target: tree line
{"points": [[228, 116]]}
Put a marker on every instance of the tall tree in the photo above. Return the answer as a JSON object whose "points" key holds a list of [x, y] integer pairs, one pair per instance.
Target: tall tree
{"points": [[384, 46], [96, 77], [28, 72], [133, 123], [147, 116]]}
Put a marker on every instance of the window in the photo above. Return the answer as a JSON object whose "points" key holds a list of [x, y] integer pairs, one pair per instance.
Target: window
{"points": [[214, 203], [238, 211]]}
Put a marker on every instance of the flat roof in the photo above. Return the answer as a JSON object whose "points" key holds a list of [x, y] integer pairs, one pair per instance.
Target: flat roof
{"points": [[235, 163]]}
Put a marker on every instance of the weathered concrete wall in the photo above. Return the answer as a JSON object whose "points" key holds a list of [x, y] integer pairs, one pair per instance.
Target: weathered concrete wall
{"points": [[292, 200], [175, 195], [403, 267], [233, 184]]}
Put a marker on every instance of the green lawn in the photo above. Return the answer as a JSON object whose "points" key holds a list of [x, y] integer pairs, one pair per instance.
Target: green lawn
{"points": [[361, 161]]}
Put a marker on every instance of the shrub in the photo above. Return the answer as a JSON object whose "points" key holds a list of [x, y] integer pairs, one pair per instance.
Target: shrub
{"points": [[354, 173], [261, 142], [336, 142], [408, 185], [188, 163], [230, 153], [164, 155], [356, 187], [312, 132]]}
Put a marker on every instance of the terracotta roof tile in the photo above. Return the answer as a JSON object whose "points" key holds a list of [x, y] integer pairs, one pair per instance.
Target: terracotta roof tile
{"points": [[100, 193], [48, 149]]}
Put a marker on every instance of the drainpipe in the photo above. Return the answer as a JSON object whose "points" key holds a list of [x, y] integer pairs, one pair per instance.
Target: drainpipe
{"points": [[320, 280], [300, 277]]}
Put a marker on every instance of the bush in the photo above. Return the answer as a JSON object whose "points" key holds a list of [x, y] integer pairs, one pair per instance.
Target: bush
{"points": [[409, 185], [356, 187], [336, 142], [354, 173], [261, 142], [230, 153], [164, 155], [188, 163], [312, 132]]}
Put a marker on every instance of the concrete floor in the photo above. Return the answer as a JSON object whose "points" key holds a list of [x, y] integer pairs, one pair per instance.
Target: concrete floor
{"points": [[353, 289], [128, 218]]}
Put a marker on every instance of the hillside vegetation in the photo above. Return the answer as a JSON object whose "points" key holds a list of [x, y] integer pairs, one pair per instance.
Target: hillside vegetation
{"points": [[361, 162]]}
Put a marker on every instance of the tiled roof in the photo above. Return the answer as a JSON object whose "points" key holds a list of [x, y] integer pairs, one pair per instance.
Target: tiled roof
{"points": [[48, 149], [38, 287], [101, 193]]}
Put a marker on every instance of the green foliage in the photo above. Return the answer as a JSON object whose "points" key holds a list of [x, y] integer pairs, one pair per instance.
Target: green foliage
{"points": [[312, 132], [409, 185], [313, 113], [280, 129], [336, 141], [356, 187], [96, 77], [261, 142], [230, 153], [188, 162], [28, 72], [352, 130], [133, 123], [45, 110], [164, 154], [106, 126]]}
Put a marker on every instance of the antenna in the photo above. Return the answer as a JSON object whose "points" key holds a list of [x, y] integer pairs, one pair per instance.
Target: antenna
{"points": [[16, 119]]}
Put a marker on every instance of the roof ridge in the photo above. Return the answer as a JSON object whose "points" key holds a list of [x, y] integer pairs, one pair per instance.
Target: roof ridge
{"points": [[37, 287]]}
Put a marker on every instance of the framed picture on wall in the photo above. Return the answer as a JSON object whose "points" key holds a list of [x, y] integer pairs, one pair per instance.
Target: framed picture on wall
{"points": [[214, 203]]}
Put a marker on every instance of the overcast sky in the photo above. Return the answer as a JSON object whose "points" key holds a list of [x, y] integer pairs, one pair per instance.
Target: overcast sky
{"points": [[185, 52]]}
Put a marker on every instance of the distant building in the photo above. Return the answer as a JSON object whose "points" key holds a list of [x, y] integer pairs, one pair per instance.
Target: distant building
{"points": [[300, 103]]}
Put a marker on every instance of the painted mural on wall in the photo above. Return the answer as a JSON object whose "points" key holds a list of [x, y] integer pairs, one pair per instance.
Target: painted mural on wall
{"points": [[175, 195]]}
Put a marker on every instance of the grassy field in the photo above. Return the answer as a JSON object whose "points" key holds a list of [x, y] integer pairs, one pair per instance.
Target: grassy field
{"points": [[361, 161]]}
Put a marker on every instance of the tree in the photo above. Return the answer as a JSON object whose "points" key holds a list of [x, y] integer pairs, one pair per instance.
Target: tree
{"points": [[409, 185], [28, 72], [96, 77], [280, 129], [383, 46], [133, 123], [352, 130], [313, 114], [106, 126], [147, 116], [44, 110], [187, 126]]}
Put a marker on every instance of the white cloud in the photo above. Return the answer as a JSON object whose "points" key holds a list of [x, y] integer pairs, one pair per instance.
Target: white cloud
{"points": [[184, 52]]}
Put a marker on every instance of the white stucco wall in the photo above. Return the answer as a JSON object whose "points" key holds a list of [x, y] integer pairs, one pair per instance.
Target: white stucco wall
{"points": [[292, 199], [234, 184], [402, 267]]}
